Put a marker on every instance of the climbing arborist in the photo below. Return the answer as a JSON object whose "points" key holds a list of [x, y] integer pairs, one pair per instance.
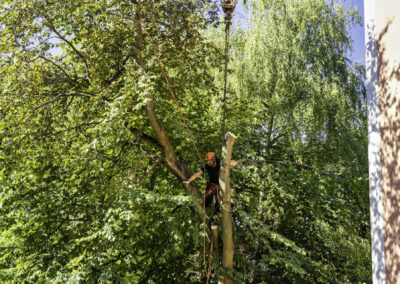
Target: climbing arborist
{"points": [[228, 6], [212, 189]]}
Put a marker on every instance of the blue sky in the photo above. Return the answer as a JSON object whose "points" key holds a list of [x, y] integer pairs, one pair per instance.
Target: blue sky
{"points": [[357, 31]]}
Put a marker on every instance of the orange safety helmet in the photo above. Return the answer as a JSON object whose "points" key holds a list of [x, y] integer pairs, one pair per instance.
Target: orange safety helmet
{"points": [[210, 156]]}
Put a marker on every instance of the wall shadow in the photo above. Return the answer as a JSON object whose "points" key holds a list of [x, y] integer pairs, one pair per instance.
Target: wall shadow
{"points": [[389, 125], [375, 177]]}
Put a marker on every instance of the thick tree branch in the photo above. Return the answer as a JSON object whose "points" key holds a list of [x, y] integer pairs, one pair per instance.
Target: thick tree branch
{"points": [[224, 181], [120, 70], [162, 137], [270, 125], [180, 206], [273, 140], [144, 136]]}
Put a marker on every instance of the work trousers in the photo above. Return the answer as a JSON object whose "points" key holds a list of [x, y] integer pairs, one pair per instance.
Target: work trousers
{"points": [[213, 190]]}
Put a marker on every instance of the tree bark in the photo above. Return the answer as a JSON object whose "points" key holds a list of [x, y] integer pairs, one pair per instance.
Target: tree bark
{"points": [[227, 238], [215, 254]]}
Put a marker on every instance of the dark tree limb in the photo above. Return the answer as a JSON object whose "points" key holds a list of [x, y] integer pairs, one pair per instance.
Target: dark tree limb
{"points": [[156, 162], [53, 29], [120, 70], [72, 128], [176, 208], [60, 68], [273, 140], [277, 162], [58, 97], [144, 136]]}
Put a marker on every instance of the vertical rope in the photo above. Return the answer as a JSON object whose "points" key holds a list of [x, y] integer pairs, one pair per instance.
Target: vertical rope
{"points": [[197, 151], [228, 18], [210, 259], [176, 102]]}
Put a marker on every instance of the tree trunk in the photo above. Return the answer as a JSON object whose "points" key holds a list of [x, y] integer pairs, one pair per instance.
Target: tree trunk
{"points": [[215, 254], [227, 238]]}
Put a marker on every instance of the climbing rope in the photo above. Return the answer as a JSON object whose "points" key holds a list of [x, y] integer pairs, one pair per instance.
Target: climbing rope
{"points": [[210, 258], [227, 28], [228, 8], [198, 154], [176, 102], [207, 270]]}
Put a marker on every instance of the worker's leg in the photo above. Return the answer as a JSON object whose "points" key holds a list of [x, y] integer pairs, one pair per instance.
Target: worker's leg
{"points": [[217, 194], [209, 195]]}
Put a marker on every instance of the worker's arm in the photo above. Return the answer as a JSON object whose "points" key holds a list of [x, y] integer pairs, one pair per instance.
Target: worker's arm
{"points": [[233, 163], [193, 177]]}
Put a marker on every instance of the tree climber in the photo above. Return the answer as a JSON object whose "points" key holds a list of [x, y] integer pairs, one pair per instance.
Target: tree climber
{"points": [[213, 188], [229, 6]]}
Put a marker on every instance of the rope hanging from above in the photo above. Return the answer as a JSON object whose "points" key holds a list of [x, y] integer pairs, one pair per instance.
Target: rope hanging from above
{"points": [[228, 6]]}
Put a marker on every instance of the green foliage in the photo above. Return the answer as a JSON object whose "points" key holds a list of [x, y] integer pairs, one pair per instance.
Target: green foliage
{"points": [[77, 201], [305, 224]]}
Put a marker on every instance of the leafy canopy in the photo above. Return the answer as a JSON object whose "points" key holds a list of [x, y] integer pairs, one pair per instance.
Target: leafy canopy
{"points": [[77, 199]]}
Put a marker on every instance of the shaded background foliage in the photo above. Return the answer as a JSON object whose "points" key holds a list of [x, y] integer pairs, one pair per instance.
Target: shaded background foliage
{"points": [[76, 142]]}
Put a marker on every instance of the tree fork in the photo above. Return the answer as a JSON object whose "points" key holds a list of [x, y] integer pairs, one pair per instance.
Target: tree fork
{"points": [[227, 238]]}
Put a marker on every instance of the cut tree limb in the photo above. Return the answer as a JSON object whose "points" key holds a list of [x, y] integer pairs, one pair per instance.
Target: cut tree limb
{"points": [[215, 253], [224, 181]]}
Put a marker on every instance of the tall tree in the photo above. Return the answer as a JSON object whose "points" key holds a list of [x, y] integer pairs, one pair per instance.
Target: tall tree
{"points": [[81, 128], [92, 153], [299, 103]]}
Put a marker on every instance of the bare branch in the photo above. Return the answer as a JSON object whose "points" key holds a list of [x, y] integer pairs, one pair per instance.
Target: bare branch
{"points": [[3, 248], [53, 29], [61, 69], [47, 102], [120, 71], [176, 208], [276, 138], [59, 96], [72, 128], [270, 125], [297, 165], [156, 162], [131, 19]]}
